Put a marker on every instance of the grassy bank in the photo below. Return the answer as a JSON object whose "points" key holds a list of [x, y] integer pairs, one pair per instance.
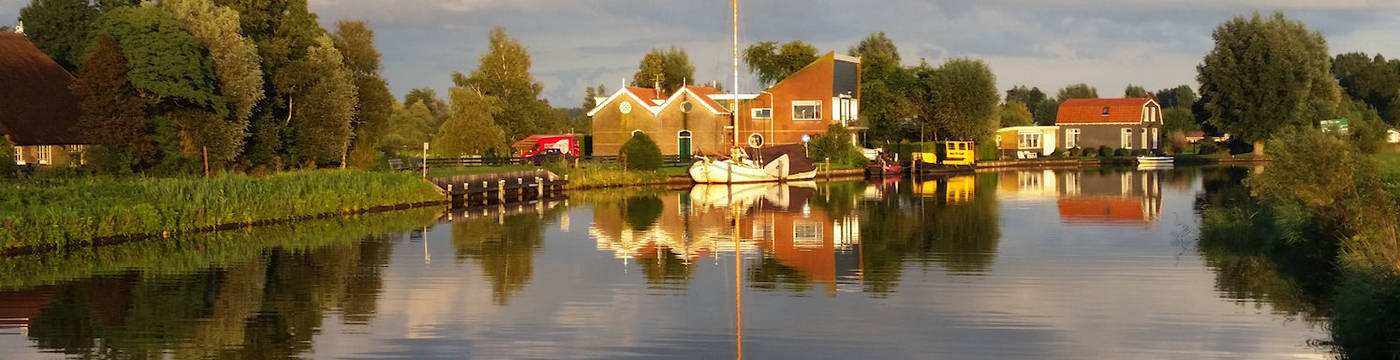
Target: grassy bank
{"points": [[195, 252], [1388, 168], [476, 170], [598, 175], [77, 211]]}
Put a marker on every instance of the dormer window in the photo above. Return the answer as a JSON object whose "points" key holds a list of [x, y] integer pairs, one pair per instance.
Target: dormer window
{"points": [[1105, 111]]}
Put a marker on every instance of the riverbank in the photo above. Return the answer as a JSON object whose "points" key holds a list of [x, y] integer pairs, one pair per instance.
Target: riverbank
{"points": [[38, 216], [1190, 159], [600, 176]]}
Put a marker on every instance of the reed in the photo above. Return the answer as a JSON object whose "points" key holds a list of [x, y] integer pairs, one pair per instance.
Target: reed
{"points": [[77, 211]]}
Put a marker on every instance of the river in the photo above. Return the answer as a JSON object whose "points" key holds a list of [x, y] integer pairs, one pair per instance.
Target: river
{"points": [[1042, 264]]}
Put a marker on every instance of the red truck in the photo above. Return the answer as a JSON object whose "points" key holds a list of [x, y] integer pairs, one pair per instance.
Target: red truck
{"points": [[540, 148]]}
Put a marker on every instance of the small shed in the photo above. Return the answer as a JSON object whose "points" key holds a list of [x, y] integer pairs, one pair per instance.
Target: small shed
{"points": [[1026, 142]]}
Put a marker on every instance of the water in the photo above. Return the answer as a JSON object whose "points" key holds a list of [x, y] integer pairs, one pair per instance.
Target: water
{"points": [[1058, 264]]}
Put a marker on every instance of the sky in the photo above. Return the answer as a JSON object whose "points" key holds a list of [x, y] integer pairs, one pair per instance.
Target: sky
{"points": [[1043, 43]]}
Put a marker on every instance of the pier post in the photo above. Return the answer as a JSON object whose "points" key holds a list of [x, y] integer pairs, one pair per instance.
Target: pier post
{"points": [[501, 191], [539, 188]]}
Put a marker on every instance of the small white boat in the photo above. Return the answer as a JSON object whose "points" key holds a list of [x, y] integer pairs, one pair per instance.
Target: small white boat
{"points": [[1155, 162], [782, 165]]}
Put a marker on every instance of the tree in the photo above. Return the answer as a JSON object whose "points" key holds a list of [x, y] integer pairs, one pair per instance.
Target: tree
{"points": [[428, 97], [1180, 96], [1014, 113], [283, 31], [1373, 80], [640, 153], [470, 129], [1045, 112], [1026, 97], [1178, 119], [670, 68], [409, 127], [1076, 91], [504, 73], [60, 28], [113, 113], [235, 58], [590, 98], [167, 63], [7, 158], [884, 83], [355, 40], [321, 122], [773, 62], [1265, 74], [963, 97], [1134, 91]]}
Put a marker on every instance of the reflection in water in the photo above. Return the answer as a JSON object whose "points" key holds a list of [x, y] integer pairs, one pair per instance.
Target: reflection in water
{"points": [[1021, 264]]}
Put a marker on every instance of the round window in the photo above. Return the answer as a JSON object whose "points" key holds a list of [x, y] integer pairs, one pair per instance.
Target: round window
{"points": [[625, 107], [755, 140], [686, 106]]}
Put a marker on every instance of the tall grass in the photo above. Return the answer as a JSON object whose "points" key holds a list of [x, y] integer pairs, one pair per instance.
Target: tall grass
{"points": [[80, 210]]}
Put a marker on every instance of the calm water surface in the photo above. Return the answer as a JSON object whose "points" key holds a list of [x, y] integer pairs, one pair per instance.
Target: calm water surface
{"points": [[1060, 264]]}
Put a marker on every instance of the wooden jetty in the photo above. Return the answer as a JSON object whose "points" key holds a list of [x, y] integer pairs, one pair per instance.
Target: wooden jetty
{"points": [[500, 188]]}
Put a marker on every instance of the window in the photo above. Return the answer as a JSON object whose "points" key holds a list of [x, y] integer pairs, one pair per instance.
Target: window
{"points": [[1155, 139], [755, 140], [807, 110], [19, 155], [1105, 111], [1127, 139], [762, 113], [807, 235], [847, 110], [762, 231], [1071, 138], [45, 155], [1027, 141]]}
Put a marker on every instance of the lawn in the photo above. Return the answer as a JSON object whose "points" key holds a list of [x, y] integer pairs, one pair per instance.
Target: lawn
{"points": [[1389, 167]]}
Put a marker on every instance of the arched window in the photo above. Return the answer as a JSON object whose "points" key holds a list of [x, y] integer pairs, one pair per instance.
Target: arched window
{"points": [[756, 140], [638, 131]]}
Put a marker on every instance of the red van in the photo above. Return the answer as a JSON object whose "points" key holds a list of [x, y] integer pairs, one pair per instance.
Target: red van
{"points": [[541, 148]]}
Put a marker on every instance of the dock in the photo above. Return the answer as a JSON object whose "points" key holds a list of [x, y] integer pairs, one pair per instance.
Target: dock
{"points": [[500, 188]]}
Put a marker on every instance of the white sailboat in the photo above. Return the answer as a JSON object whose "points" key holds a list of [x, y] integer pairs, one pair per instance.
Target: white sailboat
{"points": [[739, 167]]}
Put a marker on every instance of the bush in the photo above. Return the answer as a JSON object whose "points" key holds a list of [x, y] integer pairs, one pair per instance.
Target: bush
{"points": [[1207, 147], [1139, 152], [1121, 152], [836, 145], [1105, 151], [640, 153], [7, 158], [1058, 153]]}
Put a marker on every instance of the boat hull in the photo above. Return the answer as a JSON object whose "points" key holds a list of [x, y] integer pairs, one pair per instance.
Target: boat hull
{"points": [[729, 172]]}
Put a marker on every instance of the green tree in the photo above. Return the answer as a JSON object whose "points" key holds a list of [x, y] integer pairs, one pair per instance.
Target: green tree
{"points": [[283, 32], [1044, 112], [355, 40], [1265, 74], [1014, 113], [409, 128], [590, 98], [884, 84], [113, 113], [1180, 96], [962, 99], [504, 73], [321, 122], [1134, 91], [1179, 119], [167, 63], [640, 153], [470, 130], [428, 97], [670, 68], [1076, 91], [60, 28], [235, 58], [1373, 80], [1027, 97], [773, 62]]}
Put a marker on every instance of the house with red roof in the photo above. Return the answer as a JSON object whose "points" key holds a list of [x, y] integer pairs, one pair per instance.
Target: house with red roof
{"points": [[37, 111], [697, 119], [1124, 123]]}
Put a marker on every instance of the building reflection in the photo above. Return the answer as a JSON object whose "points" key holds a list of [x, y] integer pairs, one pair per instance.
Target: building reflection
{"points": [[800, 233], [1126, 198]]}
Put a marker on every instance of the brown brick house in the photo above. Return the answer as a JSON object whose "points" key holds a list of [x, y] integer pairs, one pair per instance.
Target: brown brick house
{"points": [[696, 119], [1127, 123], [37, 111]]}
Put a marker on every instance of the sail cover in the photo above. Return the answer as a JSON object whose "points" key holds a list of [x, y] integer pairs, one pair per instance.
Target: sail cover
{"points": [[796, 157]]}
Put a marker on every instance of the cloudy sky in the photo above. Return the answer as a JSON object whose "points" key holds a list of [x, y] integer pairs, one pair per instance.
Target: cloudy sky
{"points": [[1045, 43]]}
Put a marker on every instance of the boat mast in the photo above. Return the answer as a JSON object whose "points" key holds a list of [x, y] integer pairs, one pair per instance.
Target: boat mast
{"points": [[734, 101]]}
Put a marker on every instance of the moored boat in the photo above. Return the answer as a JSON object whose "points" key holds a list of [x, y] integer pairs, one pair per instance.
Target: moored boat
{"points": [[1155, 162], [753, 165]]}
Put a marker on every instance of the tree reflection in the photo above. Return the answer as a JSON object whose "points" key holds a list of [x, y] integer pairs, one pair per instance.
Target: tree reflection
{"points": [[265, 305], [935, 227], [504, 247]]}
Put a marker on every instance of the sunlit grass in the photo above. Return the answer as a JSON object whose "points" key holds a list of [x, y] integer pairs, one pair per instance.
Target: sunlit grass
{"points": [[76, 211]]}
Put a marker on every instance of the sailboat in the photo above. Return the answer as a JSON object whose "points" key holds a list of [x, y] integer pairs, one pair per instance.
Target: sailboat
{"points": [[750, 165]]}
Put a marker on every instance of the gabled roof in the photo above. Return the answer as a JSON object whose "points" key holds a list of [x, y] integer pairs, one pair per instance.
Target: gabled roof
{"points": [[701, 93], [36, 107], [641, 95], [1090, 111]]}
